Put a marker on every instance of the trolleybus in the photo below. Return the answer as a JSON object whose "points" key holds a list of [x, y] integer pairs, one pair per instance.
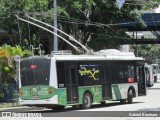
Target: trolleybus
{"points": [[63, 79]]}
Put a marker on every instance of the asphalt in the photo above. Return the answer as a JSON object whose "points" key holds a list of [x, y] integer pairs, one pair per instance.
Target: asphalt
{"points": [[35, 108]]}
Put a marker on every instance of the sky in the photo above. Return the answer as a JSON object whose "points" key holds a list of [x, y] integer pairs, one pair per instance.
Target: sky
{"points": [[158, 10]]}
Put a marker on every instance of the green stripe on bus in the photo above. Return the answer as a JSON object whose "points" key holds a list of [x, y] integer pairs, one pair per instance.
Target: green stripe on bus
{"points": [[38, 92], [62, 96], [96, 92], [117, 92]]}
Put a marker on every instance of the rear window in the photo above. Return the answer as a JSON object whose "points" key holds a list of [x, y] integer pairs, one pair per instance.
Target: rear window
{"points": [[35, 71]]}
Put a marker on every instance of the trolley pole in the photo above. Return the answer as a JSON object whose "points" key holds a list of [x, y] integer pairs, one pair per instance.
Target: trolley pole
{"points": [[55, 43]]}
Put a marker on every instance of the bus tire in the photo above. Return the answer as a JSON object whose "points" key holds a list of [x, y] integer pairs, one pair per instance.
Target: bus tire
{"points": [[75, 106], [87, 101], [123, 101], [103, 102], [130, 96]]}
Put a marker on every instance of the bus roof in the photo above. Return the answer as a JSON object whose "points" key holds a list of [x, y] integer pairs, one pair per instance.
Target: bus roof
{"points": [[90, 57], [108, 54]]}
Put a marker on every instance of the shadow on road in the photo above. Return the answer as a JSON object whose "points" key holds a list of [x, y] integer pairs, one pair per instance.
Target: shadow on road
{"points": [[150, 109], [95, 106], [153, 88]]}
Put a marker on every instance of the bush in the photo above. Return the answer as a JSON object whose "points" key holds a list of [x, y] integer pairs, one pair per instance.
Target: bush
{"points": [[8, 77]]}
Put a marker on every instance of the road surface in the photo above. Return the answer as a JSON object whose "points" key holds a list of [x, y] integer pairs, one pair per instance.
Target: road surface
{"points": [[112, 110]]}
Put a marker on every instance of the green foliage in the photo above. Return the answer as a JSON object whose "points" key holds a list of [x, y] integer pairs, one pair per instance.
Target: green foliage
{"points": [[151, 4], [7, 63], [74, 17], [36, 5], [8, 76], [151, 53]]}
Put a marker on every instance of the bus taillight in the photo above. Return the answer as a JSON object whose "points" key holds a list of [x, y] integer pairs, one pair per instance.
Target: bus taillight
{"points": [[50, 90], [20, 92], [33, 66], [130, 80]]}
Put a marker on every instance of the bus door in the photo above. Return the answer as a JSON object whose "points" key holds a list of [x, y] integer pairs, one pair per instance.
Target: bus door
{"points": [[106, 82], [71, 83], [140, 76]]}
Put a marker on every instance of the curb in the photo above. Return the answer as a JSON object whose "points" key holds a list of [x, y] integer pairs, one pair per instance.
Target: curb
{"points": [[21, 108], [12, 108]]}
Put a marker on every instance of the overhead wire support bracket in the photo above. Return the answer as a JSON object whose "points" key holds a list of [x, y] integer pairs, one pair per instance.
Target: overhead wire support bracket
{"points": [[36, 48]]}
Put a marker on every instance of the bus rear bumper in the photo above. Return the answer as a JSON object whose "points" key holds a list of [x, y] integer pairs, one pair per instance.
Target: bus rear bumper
{"points": [[40, 102]]}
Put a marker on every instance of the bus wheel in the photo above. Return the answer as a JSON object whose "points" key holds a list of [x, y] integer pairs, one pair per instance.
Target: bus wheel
{"points": [[75, 106], [103, 102], [87, 101], [123, 101], [130, 97], [58, 108]]}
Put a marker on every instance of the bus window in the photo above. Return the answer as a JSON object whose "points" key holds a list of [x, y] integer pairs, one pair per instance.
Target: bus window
{"points": [[30, 72], [89, 74], [131, 74], [73, 75], [130, 71], [60, 77]]}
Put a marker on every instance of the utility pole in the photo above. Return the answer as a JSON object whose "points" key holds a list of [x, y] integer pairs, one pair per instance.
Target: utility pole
{"points": [[55, 43]]}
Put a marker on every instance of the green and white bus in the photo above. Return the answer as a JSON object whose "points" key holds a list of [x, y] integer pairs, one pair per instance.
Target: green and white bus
{"points": [[62, 79]]}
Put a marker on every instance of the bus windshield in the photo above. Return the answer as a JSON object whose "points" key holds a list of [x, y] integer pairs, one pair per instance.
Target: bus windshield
{"points": [[35, 71]]}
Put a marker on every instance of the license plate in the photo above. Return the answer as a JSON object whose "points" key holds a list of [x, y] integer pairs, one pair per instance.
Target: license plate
{"points": [[35, 96]]}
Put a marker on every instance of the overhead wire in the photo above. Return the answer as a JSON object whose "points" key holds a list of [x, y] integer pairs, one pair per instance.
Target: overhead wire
{"points": [[71, 38], [111, 36], [76, 48], [70, 20], [94, 23], [100, 25], [105, 24]]}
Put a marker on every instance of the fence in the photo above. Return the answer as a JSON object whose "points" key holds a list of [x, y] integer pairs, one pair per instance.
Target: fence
{"points": [[9, 92]]}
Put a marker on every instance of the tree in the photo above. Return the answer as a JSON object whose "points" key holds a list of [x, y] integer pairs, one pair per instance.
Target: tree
{"points": [[96, 15], [89, 21], [7, 62], [149, 52], [8, 76]]}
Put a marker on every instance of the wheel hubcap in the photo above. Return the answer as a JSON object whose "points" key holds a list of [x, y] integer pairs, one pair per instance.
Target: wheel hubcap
{"points": [[87, 101]]}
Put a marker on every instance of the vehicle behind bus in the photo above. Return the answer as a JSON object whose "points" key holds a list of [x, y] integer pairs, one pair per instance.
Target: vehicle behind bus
{"points": [[150, 75], [155, 72]]}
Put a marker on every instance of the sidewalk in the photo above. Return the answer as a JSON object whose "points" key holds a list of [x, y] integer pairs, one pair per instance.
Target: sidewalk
{"points": [[14, 108], [10, 106]]}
